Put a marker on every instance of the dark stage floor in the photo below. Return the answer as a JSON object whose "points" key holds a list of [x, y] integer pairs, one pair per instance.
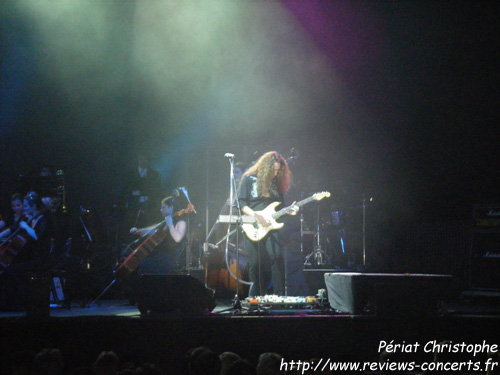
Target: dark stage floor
{"points": [[470, 304], [83, 332]]}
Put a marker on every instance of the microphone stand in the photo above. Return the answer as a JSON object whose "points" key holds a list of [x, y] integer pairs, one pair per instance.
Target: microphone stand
{"points": [[206, 246], [364, 231], [233, 198]]}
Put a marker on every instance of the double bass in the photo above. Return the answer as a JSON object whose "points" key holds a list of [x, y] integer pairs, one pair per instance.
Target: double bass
{"points": [[153, 238], [221, 269]]}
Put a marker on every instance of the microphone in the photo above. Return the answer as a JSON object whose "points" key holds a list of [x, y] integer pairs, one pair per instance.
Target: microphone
{"points": [[229, 156]]}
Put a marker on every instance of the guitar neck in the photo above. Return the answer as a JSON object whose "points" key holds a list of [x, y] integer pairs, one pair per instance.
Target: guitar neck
{"points": [[286, 210]]}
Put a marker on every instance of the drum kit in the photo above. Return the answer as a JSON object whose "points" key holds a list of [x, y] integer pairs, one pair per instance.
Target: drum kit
{"points": [[326, 243], [335, 237]]}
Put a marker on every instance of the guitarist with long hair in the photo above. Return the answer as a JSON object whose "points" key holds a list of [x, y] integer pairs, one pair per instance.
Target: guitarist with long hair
{"points": [[265, 182]]}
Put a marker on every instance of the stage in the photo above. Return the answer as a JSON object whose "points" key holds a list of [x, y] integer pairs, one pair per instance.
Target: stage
{"points": [[82, 332]]}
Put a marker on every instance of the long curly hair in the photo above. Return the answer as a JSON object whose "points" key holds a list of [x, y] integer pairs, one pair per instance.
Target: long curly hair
{"points": [[263, 169]]}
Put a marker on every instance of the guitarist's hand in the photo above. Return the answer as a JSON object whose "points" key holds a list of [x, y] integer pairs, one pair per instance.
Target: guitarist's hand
{"points": [[262, 220], [294, 209]]}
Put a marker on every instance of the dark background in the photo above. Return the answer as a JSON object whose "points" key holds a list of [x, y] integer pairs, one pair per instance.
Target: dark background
{"points": [[393, 103]]}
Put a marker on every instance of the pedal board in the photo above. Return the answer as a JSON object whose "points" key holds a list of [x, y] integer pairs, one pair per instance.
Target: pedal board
{"points": [[274, 302]]}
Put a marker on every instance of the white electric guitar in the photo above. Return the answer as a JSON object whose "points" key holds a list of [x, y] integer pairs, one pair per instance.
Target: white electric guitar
{"points": [[256, 231]]}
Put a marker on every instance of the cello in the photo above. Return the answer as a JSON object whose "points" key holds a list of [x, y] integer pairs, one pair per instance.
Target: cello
{"points": [[11, 247], [17, 239], [152, 239]]}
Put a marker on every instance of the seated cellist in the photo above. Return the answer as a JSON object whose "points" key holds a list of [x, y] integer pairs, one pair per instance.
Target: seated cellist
{"points": [[165, 257], [12, 219], [26, 253]]}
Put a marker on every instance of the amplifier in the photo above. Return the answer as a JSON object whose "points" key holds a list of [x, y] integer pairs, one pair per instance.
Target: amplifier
{"points": [[484, 259], [486, 216]]}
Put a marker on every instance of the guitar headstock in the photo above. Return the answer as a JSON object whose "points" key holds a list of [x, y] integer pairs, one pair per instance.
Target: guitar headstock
{"points": [[320, 196]]}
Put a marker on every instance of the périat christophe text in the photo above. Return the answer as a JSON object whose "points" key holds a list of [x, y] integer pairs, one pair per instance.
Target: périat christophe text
{"points": [[437, 347], [433, 346]]}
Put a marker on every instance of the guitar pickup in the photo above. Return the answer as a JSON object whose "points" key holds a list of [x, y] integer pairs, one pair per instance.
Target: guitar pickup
{"points": [[233, 219]]}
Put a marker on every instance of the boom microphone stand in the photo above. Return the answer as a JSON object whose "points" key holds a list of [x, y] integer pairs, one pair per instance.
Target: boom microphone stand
{"points": [[364, 227], [238, 220], [234, 199]]}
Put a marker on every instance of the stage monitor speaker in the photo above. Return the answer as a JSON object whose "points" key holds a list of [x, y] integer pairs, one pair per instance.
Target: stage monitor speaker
{"points": [[484, 260], [166, 294], [387, 294], [38, 296]]}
